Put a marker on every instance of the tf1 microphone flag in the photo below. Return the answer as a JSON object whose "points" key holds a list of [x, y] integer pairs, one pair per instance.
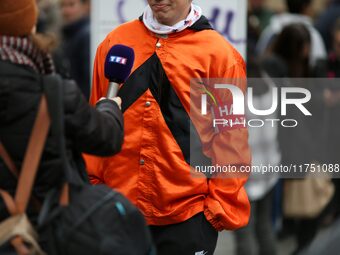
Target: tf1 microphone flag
{"points": [[118, 63]]}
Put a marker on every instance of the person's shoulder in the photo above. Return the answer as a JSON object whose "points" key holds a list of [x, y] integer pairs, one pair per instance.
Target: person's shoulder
{"points": [[18, 72], [128, 28], [219, 46], [123, 33]]}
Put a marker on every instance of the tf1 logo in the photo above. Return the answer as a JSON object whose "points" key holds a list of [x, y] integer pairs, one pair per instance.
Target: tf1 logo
{"points": [[118, 60]]}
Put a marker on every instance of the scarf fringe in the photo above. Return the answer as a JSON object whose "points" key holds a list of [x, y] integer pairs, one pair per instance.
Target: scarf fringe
{"points": [[23, 51]]}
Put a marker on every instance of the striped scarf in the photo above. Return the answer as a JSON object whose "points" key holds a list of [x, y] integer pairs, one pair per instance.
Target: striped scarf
{"points": [[23, 51]]}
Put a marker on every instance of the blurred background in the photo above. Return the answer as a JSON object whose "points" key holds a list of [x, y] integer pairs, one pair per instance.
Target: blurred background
{"points": [[285, 39]]}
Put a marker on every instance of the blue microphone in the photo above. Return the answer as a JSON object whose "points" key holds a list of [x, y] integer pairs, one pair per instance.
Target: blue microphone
{"points": [[118, 65]]}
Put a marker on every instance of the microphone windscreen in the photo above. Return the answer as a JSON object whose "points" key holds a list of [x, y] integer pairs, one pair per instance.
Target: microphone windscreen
{"points": [[118, 63]]}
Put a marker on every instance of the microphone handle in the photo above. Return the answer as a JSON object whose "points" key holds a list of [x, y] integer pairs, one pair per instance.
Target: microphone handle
{"points": [[112, 90]]}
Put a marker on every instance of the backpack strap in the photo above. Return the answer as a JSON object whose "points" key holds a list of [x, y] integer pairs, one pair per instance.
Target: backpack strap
{"points": [[9, 202], [6, 197], [20, 246], [28, 172], [13, 169], [64, 199], [30, 165], [54, 94], [8, 161], [32, 157], [53, 89]]}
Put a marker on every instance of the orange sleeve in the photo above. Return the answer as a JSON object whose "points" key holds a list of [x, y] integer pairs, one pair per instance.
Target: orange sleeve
{"points": [[227, 205], [94, 164], [99, 82]]}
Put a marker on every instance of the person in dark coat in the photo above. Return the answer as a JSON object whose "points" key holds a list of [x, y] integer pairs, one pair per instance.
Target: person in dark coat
{"points": [[76, 42], [97, 131]]}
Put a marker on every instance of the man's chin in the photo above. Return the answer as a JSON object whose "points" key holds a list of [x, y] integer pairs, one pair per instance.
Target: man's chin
{"points": [[163, 18]]}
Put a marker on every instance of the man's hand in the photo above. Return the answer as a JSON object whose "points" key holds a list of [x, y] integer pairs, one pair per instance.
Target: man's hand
{"points": [[117, 100]]}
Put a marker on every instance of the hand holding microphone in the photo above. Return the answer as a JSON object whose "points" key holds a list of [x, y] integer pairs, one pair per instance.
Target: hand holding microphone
{"points": [[118, 65], [117, 100]]}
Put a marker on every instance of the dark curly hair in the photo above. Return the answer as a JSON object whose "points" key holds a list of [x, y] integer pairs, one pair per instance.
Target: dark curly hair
{"points": [[297, 6], [290, 46]]}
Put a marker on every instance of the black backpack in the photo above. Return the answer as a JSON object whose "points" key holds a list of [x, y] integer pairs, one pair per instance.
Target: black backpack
{"points": [[97, 220]]}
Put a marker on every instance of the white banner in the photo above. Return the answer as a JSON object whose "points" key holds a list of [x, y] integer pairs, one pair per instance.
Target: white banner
{"points": [[227, 16]]}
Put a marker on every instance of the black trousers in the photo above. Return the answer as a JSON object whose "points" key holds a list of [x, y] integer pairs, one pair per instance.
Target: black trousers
{"points": [[195, 236]]}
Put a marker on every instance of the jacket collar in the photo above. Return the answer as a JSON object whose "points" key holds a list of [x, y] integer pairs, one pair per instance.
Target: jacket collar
{"points": [[202, 24]]}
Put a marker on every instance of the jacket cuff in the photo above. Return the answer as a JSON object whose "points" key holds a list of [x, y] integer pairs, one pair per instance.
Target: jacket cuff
{"points": [[214, 221], [106, 105], [111, 107]]}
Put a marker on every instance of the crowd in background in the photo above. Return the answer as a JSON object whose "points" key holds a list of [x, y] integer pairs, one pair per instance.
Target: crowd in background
{"points": [[68, 23], [295, 43]]}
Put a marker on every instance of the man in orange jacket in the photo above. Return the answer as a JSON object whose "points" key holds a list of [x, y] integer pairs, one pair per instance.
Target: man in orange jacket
{"points": [[173, 43]]}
